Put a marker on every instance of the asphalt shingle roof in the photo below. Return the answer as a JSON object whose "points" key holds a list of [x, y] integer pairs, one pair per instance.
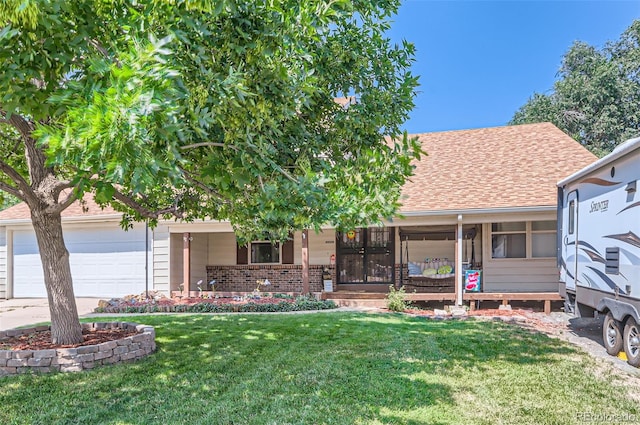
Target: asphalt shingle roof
{"points": [[88, 208], [500, 167]]}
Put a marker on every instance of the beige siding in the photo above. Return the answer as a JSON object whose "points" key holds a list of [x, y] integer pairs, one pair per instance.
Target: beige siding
{"points": [[3, 263], [321, 246], [176, 246], [199, 258], [533, 275], [222, 249], [420, 250], [160, 261]]}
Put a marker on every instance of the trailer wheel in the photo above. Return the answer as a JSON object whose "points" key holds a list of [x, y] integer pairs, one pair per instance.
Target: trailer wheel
{"points": [[632, 342], [612, 335]]}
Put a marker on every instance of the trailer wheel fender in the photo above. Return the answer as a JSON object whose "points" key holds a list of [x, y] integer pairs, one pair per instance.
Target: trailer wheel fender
{"points": [[618, 309]]}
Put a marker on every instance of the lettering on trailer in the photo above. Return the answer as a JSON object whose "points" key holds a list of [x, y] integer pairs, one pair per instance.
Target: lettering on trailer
{"points": [[600, 206]]}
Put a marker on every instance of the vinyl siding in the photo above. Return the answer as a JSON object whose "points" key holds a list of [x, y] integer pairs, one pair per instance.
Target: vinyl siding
{"points": [[510, 275], [160, 265]]}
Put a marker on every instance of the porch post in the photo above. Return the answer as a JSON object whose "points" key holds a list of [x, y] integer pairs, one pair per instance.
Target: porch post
{"points": [[305, 262], [458, 259], [186, 262]]}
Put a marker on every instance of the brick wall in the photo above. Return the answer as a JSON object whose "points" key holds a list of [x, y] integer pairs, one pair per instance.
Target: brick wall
{"points": [[283, 278]]}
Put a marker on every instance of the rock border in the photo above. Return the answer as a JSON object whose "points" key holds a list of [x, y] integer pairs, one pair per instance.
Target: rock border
{"points": [[131, 348]]}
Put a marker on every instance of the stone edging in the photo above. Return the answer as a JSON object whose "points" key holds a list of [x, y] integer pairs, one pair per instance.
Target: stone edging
{"points": [[131, 348]]}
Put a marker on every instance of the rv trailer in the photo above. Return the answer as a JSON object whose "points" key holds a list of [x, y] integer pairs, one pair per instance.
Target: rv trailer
{"points": [[599, 246]]}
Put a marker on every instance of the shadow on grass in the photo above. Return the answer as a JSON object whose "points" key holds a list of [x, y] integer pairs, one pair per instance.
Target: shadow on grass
{"points": [[253, 369]]}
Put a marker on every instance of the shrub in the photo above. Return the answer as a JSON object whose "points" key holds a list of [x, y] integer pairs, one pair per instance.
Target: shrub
{"points": [[301, 303], [396, 299]]}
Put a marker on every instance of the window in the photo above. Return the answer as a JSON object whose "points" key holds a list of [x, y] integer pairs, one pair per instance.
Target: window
{"points": [[543, 239], [530, 239], [265, 252], [508, 240], [572, 215]]}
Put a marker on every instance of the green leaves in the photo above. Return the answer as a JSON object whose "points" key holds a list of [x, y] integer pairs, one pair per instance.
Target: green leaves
{"points": [[226, 112]]}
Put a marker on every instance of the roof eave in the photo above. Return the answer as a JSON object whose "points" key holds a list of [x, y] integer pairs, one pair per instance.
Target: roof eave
{"points": [[480, 211], [78, 219]]}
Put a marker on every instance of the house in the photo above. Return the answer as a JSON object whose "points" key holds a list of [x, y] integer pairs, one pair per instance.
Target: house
{"points": [[105, 260], [482, 199]]}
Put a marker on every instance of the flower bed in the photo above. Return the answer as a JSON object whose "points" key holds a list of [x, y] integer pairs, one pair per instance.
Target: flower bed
{"points": [[235, 304], [139, 343]]}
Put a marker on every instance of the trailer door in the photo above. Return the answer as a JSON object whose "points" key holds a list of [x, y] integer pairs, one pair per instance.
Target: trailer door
{"points": [[569, 273]]}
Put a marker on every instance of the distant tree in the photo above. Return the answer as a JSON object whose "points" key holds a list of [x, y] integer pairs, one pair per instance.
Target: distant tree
{"points": [[201, 109], [596, 96]]}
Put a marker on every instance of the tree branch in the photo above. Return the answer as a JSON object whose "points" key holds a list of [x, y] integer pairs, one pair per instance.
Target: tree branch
{"points": [[143, 211], [104, 52], [35, 157], [61, 206], [16, 177], [203, 144], [12, 190], [203, 186]]}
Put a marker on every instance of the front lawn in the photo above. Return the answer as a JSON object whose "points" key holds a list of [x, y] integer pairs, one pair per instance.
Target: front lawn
{"points": [[333, 368]]}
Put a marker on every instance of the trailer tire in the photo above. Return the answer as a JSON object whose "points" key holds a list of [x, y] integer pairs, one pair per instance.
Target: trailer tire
{"points": [[612, 335], [632, 342]]}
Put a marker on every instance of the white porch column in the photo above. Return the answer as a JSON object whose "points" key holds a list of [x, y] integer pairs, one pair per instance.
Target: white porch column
{"points": [[458, 259]]}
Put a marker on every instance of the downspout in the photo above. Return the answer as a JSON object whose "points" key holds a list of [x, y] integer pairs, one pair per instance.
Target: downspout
{"points": [[458, 259], [146, 258], [186, 262]]}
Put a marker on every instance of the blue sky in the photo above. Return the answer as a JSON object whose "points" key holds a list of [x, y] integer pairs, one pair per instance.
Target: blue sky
{"points": [[479, 61]]}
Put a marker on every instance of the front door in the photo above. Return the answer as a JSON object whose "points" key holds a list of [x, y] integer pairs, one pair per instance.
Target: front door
{"points": [[366, 256]]}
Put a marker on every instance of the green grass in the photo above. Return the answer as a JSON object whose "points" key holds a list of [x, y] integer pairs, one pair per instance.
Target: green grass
{"points": [[326, 368]]}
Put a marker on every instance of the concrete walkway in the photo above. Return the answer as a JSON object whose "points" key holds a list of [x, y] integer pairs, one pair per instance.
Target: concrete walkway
{"points": [[19, 312]]}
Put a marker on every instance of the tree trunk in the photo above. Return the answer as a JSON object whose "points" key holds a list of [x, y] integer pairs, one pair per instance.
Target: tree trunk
{"points": [[65, 325]]}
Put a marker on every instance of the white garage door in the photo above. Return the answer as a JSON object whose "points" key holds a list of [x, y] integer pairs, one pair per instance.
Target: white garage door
{"points": [[105, 262]]}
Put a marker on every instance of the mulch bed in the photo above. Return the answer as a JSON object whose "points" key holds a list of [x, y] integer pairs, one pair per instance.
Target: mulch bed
{"points": [[42, 340]]}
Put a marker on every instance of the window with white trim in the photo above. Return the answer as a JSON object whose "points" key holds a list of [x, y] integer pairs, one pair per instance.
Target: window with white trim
{"points": [[543, 239], [509, 240], [265, 252], [523, 239]]}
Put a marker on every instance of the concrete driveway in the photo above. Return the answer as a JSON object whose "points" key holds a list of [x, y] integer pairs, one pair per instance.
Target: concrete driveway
{"points": [[27, 311]]}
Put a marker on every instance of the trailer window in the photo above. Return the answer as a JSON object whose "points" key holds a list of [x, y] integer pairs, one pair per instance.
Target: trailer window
{"points": [[572, 214]]}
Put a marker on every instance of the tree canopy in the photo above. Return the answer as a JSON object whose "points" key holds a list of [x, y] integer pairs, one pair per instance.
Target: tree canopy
{"points": [[596, 96], [217, 109], [202, 109]]}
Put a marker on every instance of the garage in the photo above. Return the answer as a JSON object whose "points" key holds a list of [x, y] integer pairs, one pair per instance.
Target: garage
{"points": [[105, 261]]}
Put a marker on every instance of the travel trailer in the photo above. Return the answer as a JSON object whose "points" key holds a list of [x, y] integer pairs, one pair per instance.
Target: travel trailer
{"points": [[599, 246]]}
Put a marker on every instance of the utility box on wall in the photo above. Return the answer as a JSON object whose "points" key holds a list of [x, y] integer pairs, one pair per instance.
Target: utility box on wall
{"points": [[327, 281]]}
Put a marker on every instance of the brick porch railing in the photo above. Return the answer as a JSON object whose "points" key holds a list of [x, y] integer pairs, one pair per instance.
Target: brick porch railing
{"points": [[283, 278]]}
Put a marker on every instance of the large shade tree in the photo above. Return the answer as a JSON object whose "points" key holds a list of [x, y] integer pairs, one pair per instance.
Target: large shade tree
{"points": [[201, 109], [595, 99]]}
